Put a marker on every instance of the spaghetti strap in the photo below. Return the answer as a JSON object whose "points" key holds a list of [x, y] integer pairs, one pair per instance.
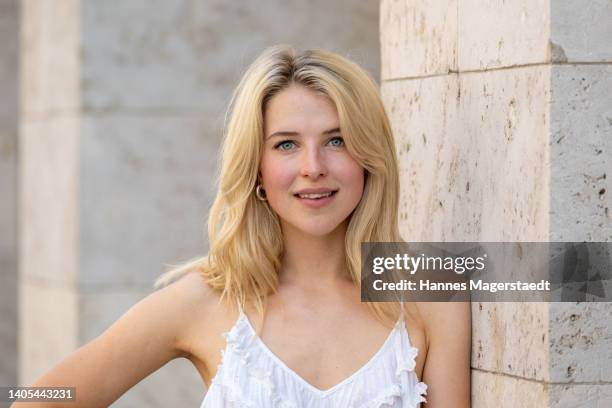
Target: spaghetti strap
{"points": [[240, 310]]}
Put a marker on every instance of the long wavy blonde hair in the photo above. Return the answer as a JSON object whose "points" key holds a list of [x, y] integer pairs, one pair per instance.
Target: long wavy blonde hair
{"points": [[244, 233]]}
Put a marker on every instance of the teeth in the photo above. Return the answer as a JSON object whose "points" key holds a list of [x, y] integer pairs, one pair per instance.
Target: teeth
{"points": [[315, 195]]}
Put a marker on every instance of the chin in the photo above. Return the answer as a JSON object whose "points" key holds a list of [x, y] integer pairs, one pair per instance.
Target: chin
{"points": [[318, 230]]}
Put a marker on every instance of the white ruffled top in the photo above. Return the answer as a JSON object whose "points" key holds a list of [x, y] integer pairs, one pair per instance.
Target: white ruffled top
{"points": [[250, 375]]}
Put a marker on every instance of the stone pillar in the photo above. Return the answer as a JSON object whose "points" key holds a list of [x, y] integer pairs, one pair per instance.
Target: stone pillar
{"points": [[501, 112], [122, 118], [580, 335], [48, 184], [9, 77]]}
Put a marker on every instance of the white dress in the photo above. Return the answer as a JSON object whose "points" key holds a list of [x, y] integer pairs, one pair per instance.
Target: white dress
{"points": [[250, 375]]}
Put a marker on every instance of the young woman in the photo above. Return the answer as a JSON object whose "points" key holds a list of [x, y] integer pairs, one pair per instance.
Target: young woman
{"points": [[272, 316]]}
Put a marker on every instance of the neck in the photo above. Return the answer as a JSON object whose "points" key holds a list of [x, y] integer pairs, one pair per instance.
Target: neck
{"points": [[315, 262]]}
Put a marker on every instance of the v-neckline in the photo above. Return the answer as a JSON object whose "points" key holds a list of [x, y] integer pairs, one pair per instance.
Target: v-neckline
{"points": [[301, 379]]}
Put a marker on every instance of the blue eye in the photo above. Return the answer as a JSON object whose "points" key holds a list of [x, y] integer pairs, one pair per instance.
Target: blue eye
{"points": [[285, 143], [338, 139], [290, 144]]}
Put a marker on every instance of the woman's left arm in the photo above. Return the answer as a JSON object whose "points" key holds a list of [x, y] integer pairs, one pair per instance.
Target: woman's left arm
{"points": [[448, 328]]}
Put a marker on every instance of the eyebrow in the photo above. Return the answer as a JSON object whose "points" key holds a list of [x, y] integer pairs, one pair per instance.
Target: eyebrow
{"points": [[289, 133]]}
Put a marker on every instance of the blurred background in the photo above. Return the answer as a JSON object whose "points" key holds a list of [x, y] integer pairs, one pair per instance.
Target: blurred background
{"points": [[111, 116]]}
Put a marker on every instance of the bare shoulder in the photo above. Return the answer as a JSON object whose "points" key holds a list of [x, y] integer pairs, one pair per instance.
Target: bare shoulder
{"points": [[438, 318], [191, 290], [195, 305], [170, 310]]}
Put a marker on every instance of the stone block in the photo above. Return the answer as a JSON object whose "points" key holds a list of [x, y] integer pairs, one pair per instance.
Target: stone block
{"points": [[48, 213], [473, 155], [498, 33], [501, 391], [187, 56], [50, 40], [580, 149], [146, 184], [417, 39], [580, 395], [581, 31], [175, 384], [8, 325], [423, 114], [48, 327], [581, 342], [511, 338], [505, 124], [8, 188], [9, 63], [99, 309]]}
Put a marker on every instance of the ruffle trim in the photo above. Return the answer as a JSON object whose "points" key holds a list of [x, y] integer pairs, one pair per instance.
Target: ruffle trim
{"points": [[420, 389], [387, 398], [391, 396], [238, 339], [232, 396], [406, 363]]}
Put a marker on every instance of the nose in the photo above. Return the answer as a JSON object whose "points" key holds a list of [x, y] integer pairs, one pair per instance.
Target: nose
{"points": [[313, 163]]}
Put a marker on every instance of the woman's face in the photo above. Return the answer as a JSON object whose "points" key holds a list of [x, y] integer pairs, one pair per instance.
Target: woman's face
{"points": [[304, 153]]}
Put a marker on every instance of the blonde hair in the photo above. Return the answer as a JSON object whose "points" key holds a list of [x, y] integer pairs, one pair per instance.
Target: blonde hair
{"points": [[244, 233]]}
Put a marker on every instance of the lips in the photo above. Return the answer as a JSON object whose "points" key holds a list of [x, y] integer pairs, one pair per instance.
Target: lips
{"points": [[316, 196], [317, 190], [316, 201]]}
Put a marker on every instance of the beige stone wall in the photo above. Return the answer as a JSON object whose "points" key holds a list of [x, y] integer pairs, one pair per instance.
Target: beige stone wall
{"points": [[502, 123]]}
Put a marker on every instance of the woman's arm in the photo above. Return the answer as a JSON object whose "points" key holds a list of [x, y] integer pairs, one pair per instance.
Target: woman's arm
{"points": [[448, 327], [144, 339]]}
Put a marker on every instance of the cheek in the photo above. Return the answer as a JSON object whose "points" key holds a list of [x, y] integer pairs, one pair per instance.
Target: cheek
{"points": [[276, 179], [352, 176]]}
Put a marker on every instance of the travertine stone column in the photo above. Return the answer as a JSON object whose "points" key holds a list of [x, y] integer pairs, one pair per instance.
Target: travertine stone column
{"points": [[502, 114], [123, 111], [581, 199], [48, 166], [9, 76]]}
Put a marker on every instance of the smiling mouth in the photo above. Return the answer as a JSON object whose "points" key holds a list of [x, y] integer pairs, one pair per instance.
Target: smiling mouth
{"points": [[315, 197]]}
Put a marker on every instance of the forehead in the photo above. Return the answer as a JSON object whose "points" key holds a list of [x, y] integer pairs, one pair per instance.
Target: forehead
{"points": [[298, 107]]}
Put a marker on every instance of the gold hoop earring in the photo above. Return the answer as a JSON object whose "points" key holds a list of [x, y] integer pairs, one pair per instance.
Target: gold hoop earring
{"points": [[260, 193]]}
